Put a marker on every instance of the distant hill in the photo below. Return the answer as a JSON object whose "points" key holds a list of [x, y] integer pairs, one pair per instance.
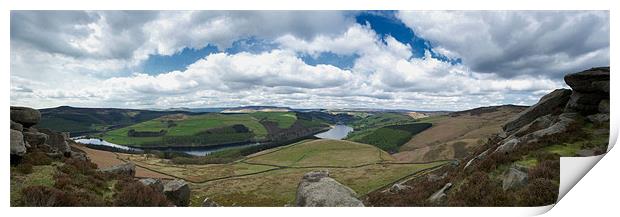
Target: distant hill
{"points": [[81, 121], [250, 109]]}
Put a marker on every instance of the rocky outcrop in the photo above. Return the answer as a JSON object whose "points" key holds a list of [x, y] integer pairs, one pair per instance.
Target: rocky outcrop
{"points": [[550, 103], [156, 184], [25, 116], [590, 89], [57, 141], [121, 169], [514, 178], [18, 146], [440, 195], [177, 191], [16, 126], [317, 189], [560, 125], [35, 139]]}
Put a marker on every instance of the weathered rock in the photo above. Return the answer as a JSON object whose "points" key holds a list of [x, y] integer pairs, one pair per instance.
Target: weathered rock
{"points": [[35, 139], [156, 184], [25, 116], [598, 118], [16, 126], [317, 189], [514, 178], [128, 168], [440, 195], [479, 157], [57, 141], [584, 103], [398, 188], [208, 202], [177, 191], [603, 106], [589, 81], [79, 155], [548, 104], [18, 146]]}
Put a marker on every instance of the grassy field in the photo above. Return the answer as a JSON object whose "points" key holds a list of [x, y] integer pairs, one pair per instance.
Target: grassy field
{"points": [[185, 126], [381, 119], [270, 177], [284, 119]]}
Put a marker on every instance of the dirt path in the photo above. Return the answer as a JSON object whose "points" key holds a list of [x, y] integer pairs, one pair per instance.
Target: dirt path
{"points": [[105, 159]]}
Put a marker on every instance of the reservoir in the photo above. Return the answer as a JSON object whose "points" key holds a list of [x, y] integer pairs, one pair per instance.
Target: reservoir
{"points": [[197, 151], [337, 132]]}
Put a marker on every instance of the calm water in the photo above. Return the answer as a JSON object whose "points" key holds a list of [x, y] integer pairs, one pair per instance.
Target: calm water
{"points": [[337, 132], [199, 151]]}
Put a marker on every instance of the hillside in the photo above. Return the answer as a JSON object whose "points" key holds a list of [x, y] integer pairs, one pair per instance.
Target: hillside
{"points": [[457, 134], [81, 121], [214, 129]]}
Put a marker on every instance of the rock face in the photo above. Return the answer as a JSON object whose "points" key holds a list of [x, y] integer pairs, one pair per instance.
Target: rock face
{"points": [[317, 189], [25, 116], [35, 139], [590, 91], [153, 183], [18, 146], [514, 178], [560, 125], [177, 191], [548, 104], [57, 141], [122, 169], [440, 195], [589, 81], [16, 126]]}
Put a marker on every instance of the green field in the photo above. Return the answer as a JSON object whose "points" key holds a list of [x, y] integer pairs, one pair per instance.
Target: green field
{"points": [[389, 138], [270, 177], [381, 119], [284, 119], [188, 126]]}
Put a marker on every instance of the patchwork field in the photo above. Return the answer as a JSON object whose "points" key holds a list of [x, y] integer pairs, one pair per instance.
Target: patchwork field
{"points": [[186, 126], [389, 138], [270, 178]]}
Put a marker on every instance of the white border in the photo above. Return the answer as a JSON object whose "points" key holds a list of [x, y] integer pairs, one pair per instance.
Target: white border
{"points": [[601, 200]]}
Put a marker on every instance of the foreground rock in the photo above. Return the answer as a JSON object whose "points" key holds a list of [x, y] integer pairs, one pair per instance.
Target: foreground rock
{"points": [[440, 195], [550, 103], [35, 139], [594, 80], [121, 169], [514, 178], [156, 184], [317, 189], [16, 126], [18, 146], [177, 191], [25, 116]]}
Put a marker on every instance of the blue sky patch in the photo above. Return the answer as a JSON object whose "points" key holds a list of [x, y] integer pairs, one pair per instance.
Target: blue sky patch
{"points": [[157, 64]]}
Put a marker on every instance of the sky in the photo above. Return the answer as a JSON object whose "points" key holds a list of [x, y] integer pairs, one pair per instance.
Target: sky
{"points": [[417, 60]]}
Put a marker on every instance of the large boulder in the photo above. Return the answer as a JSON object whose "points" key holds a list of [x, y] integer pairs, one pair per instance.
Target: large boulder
{"points": [[550, 103], [514, 178], [57, 141], [594, 80], [128, 169], [177, 191], [16, 126], [440, 195], [584, 103], [156, 184], [35, 139], [25, 116], [603, 106], [561, 125], [18, 146], [317, 189]]}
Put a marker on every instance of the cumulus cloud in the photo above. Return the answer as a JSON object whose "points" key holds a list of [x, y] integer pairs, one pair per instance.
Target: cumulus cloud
{"points": [[512, 43]]}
